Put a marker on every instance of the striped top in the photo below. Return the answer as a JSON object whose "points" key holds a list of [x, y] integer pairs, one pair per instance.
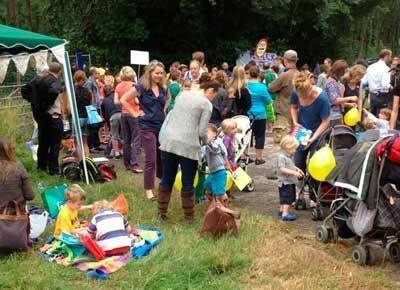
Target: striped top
{"points": [[109, 227]]}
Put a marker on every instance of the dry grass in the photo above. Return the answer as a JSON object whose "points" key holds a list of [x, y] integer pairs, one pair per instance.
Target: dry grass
{"points": [[286, 260]]}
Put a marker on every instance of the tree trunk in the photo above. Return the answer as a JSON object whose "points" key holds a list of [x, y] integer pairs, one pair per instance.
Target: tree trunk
{"points": [[28, 13]]}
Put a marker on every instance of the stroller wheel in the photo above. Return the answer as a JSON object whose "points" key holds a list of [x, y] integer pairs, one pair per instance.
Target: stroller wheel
{"points": [[300, 204], [250, 187], [323, 234], [317, 214], [394, 252], [359, 255]]}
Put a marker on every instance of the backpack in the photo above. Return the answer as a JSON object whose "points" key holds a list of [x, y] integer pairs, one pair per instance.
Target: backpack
{"points": [[107, 171], [389, 148], [219, 220], [94, 173], [70, 168]]}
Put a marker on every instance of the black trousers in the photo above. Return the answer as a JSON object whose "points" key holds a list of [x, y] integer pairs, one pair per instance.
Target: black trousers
{"points": [[50, 135], [379, 101]]}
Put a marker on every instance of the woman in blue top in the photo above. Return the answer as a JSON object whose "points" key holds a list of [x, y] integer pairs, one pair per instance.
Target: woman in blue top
{"points": [[259, 98], [151, 96], [309, 109]]}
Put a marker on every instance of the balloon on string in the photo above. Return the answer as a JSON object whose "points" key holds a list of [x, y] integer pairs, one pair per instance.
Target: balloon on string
{"points": [[322, 163], [352, 117]]}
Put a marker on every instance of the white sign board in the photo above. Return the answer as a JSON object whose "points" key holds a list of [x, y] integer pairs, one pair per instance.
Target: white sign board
{"points": [[139, 57]]}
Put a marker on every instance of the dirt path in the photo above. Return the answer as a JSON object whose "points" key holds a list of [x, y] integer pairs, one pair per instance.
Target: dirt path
{"points": [[265, 200]]}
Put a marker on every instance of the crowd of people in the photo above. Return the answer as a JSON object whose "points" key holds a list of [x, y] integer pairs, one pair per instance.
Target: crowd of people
{"points": [[171, 116]]}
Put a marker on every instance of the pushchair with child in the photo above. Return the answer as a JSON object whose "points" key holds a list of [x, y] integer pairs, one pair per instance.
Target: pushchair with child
{"points": [[340, 139], [368, 210], [242, 143]]}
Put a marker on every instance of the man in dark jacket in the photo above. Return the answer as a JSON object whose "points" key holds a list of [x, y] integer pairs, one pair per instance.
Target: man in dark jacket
{"points": [[48, 114]]}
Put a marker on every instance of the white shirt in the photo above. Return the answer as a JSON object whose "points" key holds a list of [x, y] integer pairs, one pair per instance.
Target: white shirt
{"points": [[377, 77]]}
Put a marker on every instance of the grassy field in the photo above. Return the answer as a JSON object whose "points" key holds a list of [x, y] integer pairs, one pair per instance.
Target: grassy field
{"points": [[267, 254]]}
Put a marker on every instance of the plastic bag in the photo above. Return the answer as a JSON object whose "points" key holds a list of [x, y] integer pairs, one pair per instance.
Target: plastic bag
{"points": [[362, 219], [38, 223]]}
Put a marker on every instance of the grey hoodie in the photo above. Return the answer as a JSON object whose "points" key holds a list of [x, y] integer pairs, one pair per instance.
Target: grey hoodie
{"points": [[216, 154]]}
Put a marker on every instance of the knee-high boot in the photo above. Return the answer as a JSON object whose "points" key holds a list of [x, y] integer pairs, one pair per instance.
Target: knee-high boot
{"points": [[188, 204], [163, 198]]}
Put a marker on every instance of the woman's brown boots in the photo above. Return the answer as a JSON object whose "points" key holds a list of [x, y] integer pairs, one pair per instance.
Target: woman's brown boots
{"points": [[188, 205], [164, 195], [163, 198]]}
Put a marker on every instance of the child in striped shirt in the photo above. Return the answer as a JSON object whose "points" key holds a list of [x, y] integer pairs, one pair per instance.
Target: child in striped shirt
{"points": [[110, 229]]}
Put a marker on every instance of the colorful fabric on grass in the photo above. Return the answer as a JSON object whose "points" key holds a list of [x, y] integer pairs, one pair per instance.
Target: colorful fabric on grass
{"points": [[144, 239]]}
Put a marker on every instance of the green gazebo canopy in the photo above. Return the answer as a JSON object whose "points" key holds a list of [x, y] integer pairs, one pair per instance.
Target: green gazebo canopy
{"points": [[16, 40]]}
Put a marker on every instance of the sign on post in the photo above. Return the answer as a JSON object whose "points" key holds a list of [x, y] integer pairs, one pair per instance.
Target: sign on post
{"points": [[139, 57]]}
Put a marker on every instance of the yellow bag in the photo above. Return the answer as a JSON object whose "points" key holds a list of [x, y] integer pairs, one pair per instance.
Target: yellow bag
{"points": [[241, 178]]}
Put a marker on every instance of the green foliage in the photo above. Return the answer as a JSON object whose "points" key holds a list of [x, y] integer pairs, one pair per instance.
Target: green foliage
{"points": [[222, 28]]}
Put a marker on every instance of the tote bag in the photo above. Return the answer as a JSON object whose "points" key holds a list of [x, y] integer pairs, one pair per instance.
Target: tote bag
{"points": [[94, 117], [14, 228]]}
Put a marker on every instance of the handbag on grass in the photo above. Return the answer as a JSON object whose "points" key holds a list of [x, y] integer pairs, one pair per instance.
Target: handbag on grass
{"points": [[14, 228]]}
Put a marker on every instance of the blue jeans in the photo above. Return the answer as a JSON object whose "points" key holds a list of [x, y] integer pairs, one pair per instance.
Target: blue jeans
{"points": [[170, 162]]}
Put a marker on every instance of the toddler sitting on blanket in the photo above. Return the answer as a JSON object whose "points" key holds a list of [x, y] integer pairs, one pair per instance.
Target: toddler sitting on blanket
{"points": [[110, 229], [67, 219]]}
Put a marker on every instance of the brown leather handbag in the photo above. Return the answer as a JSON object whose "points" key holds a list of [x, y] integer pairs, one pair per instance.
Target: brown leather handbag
{"points": [[14, 228], [219, 220]]}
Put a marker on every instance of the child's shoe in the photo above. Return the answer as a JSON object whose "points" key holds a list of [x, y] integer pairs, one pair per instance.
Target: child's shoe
{"points": [[288, 218], [97, 274]]}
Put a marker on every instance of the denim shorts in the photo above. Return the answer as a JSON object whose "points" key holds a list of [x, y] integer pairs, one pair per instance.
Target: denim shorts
{"points": [[287, 194], [216, 182], [83, 122]]}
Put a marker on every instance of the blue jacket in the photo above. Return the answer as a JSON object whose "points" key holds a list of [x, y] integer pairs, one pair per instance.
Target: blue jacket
{"points": [[259, 98]]}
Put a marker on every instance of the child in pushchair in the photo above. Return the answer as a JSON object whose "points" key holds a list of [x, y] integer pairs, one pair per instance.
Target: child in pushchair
{"points": [[340, 139], [369, 209]]}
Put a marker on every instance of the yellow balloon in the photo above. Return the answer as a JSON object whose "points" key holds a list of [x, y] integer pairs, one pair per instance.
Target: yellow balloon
{"points": [[322, 163], [352, 117], [229, 180], [178, 180]]}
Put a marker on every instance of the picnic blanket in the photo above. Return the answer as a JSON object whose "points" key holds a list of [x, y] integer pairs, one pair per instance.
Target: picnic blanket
{"points": [[69, 251]]}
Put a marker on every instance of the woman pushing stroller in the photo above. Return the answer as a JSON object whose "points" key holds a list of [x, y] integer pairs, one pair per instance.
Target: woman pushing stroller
{"points": [[309, 106]]}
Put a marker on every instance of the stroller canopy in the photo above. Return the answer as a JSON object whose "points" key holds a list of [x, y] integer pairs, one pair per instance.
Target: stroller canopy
{"points": [[358, 172]]}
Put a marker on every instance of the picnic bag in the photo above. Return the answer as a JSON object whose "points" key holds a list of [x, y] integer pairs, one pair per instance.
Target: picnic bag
{"points": [[14, 228], [70, 168], [391, 147], [219, 220], [53, 198]]}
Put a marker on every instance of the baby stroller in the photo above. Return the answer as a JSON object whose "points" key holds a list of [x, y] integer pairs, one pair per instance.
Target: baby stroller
{"points": [[364, 211], [242, 142], [340, 139]]}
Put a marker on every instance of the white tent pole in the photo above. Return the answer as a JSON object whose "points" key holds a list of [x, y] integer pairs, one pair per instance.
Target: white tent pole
{"points": [[74, 110]]}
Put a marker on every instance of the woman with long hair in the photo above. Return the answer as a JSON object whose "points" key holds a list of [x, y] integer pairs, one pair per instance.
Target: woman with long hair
{"points": [[180, 143], [14, 180], [151, 96], [241, 94]]}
